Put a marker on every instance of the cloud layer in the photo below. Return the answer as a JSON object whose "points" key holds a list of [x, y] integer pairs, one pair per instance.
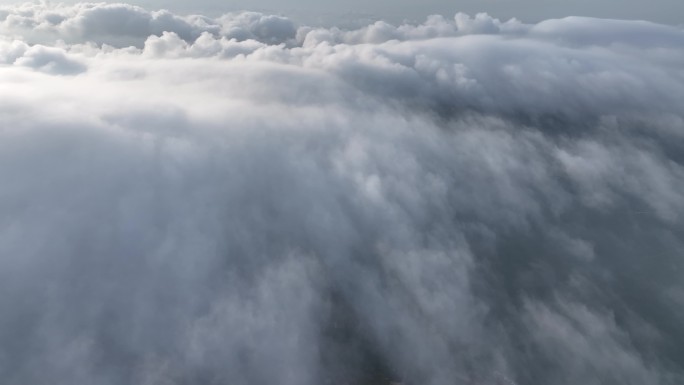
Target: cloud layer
{"points": [[194, 200]]}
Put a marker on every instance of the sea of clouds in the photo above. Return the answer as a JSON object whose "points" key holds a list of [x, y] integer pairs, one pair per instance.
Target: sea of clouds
{"points": [[243, 200]]}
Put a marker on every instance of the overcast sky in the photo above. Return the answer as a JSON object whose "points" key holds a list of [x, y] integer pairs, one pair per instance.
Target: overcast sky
{"points": [[664, 11], [333, 11]]}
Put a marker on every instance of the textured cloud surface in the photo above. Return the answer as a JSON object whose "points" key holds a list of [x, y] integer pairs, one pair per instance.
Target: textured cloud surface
{"points": [[240, 200]]}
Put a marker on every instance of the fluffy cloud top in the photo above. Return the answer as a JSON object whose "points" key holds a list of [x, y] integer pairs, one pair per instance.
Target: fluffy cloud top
{"points": [[194, 200], [123, 24]]}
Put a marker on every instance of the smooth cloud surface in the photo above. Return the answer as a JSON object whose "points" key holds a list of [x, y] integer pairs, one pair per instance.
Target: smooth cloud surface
{"points": [[240, 200]]}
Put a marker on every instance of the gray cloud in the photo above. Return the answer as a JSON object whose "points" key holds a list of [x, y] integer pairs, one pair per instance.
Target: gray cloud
{"points": [[240, 200]]}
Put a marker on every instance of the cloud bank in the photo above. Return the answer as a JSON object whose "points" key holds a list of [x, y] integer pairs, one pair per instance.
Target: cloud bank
{"points": [[241, 200]]}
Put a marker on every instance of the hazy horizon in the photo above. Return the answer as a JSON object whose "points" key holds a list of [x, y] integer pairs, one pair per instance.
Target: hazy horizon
{"points": [[328, 11]]}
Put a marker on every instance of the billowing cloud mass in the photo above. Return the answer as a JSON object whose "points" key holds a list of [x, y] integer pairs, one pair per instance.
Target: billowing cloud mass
{"points": [[241, 200]]}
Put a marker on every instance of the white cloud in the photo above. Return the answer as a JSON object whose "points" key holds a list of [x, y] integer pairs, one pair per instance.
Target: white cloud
{"points": [[240, 200], [50, 60], [123, 24]]}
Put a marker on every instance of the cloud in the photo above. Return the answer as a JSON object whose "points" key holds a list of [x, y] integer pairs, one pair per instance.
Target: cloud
{"points": [[240, 200], [122, 25], [51, 60]]}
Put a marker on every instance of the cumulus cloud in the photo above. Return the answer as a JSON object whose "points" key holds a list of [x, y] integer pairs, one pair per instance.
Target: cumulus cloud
{"points": [[195, 200], [122, 25]]}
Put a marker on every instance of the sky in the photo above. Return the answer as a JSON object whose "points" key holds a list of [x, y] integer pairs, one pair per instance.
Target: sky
{"points": [[329, 12], [244, 198]]}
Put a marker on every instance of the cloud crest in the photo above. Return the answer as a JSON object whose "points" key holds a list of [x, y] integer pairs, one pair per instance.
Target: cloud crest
{"points": [[241, 200]]}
